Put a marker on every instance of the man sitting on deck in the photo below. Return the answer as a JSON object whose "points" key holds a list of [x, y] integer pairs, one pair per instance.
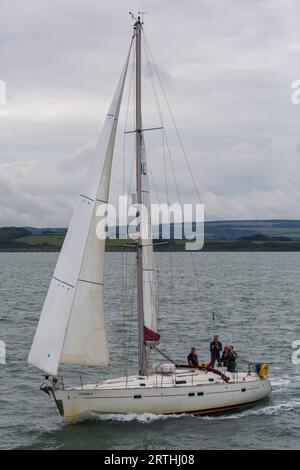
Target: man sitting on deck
{"points": [[193, 358]]}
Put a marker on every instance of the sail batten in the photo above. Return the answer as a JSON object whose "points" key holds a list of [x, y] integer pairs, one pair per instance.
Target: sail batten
{"points": [[72, 324]]}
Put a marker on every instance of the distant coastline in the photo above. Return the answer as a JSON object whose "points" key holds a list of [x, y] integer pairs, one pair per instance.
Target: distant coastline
{"points": [[209, 246], [244, 235]]}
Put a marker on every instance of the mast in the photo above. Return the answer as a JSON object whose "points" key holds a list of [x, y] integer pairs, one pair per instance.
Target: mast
{"points": [[138, 132]]}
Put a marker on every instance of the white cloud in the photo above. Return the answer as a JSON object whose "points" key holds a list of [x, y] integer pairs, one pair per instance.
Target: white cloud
{"points": [[227, 67]]}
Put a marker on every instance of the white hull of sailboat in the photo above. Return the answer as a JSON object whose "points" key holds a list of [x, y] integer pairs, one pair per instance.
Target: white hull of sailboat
{"points": [[157, 397]]}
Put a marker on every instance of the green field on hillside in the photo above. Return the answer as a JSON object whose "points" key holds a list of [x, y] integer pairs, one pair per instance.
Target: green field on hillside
{"points": [[55, 239]]}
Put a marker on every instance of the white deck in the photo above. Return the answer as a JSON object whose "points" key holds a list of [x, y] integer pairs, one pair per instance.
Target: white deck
{"points": [[182, 377]]}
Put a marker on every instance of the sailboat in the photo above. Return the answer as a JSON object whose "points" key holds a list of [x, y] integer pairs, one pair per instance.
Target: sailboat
{"points": [[72, 327]]}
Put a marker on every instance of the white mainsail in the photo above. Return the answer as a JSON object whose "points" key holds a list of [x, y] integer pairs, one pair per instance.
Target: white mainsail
{"points": [[149, 264], [72, 323]]}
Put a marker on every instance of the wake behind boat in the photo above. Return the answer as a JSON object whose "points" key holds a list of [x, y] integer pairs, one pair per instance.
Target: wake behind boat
{"points": [[72, 327]]}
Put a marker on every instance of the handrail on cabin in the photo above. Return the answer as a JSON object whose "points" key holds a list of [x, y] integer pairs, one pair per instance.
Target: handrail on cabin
{"points": [[208, 369]]}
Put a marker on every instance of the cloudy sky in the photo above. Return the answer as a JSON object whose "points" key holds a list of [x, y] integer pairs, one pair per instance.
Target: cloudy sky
{"points": [[226, 65]]}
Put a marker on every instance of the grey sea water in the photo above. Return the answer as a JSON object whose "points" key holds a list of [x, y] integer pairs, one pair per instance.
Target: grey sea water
{"points": [[255, 297]]}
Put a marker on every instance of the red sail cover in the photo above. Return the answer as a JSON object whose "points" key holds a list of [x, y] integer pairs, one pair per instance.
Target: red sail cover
{"points": [[150, 335]]}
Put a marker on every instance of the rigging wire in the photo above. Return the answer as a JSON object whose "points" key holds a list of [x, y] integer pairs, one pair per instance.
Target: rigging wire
{"points": [[160, 114], [149, 56], [128, 271], [167, 158], [164, 138], [150, 60], [124, 262], [172, 118]]}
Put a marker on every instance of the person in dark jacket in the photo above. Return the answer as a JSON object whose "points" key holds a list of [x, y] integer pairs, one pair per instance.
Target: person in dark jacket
{"points": [[215, 350], [224, 358], [193, 358], [231, 359]]}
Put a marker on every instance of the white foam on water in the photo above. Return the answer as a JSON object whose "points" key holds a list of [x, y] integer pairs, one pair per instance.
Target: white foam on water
{"points": [[279, 381], [147, 418], [282, 407], [270, 410], [140, 418]]}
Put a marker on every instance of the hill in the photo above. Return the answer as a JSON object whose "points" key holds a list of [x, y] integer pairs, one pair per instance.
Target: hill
{"points": [[235, 235]]}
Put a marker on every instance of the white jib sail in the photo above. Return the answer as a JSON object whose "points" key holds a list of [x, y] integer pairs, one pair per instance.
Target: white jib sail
{"points": [[72, 323], [149, 264]]}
